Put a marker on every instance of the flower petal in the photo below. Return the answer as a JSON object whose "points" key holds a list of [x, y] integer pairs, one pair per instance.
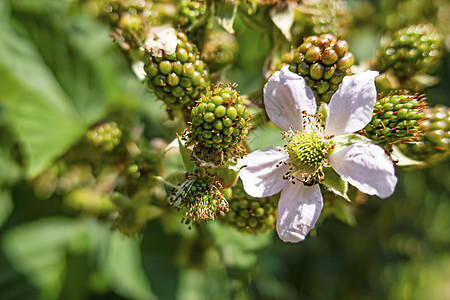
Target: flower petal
{"points": [[351, 107], [261, 177], [286, 95], [298, 211], [367, 167]]}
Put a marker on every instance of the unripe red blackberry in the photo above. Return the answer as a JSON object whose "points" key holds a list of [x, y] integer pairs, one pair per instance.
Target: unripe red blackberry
{"points": [[410, 51], [188, 13], [323, 61], [323, 16], [200, 199], [220, 122], [178, 78], [105, 135], [434, 145], [396, 118], [249, 214]]}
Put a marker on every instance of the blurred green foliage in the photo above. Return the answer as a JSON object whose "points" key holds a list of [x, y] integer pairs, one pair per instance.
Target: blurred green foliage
{"points": [[60, 73]]}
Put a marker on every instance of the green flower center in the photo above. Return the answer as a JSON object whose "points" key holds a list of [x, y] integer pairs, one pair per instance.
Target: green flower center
{"points": [[306, 150]]}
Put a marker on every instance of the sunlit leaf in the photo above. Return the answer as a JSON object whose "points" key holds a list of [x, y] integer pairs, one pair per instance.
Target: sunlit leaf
{"points": [[225, 12], [333, 182]]}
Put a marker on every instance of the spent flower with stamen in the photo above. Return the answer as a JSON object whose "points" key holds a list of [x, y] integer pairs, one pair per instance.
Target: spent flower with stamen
{"points": [[200, 198], [312, 146]]}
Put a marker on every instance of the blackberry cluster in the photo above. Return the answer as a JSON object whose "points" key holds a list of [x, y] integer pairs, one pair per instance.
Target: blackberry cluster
{"points": [[200, 199], [410, 51], [434, 145], [251, 215], [323, 61], [325, 16], [179, 78], [396, 118], [105, 135], [220, 121]]}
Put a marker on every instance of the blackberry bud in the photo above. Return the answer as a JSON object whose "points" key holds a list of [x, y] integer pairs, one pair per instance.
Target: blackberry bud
{"points": [[220, 122], [434, 145], [220, 50], [322, 61], [396, 118], [178, 78], [105, 135], [200, 199], [251, 215], [412, 50], [142, 169]]}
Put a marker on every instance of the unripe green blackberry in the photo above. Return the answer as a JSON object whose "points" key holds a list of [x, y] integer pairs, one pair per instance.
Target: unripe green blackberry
{"points": [[200, 199], [105, 135], [410, 51], [396, 118], [323, 16], [220, 122], [434, 145], [178, 78], [130, 18], [323, 61], [188, 13], [251, 215], [220, 50]]}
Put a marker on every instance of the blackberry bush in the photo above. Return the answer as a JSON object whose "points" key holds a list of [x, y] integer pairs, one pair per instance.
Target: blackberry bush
{"points": [[178, 78], [396, 118], [220, 122], [410, 51], [323, 61]]}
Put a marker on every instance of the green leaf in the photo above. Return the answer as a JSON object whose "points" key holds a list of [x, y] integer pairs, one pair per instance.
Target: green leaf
{"points": [[343, 141], [38, 251], [6, 206], [45, 119], [10, 171], [402, 160], [344, 213], [333, 182], [283, 18], [237, 249], [228, 175], [225, 12], [123, 268], [57, 76], [186, 155], [265, 136]]}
